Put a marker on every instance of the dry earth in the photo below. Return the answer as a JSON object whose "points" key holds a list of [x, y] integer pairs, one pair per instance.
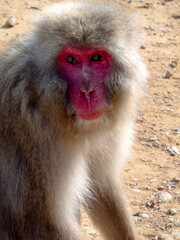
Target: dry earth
{"points": [[156, 157]]}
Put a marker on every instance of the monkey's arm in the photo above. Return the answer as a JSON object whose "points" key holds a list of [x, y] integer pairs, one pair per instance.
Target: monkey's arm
{"points": [[109, 208], [24, 198], [109, 212], [25, 144]]}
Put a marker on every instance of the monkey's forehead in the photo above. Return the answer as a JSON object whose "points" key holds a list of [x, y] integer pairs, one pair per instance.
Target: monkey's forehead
{"points": [[86, 23]]}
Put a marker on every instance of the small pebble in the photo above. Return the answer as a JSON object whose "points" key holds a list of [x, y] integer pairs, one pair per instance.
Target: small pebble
{"points": [[150, 204], [164, 30], [171, 211], [164, 197], [168, 75], [34, 8], [136, 214], [172, 154], [135, 179], [175, 130], [143, 47], [173, 64], [176, 180], [170, 219], [11, 21], [136, 190], [137, 219], [160, 188], [152, 180], [176, 150], [144, 215]]}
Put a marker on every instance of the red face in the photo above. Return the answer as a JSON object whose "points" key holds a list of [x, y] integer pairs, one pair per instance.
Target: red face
{"points": [[86, 70]]}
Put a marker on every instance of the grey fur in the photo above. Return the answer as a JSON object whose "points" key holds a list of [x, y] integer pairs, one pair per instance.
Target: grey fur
{"points": [[50, 160]]}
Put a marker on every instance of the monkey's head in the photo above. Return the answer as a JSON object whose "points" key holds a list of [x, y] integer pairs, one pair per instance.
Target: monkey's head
{"points": [[88, 57]]}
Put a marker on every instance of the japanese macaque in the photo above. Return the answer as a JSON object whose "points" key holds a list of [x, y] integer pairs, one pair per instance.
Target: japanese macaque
{"points": [[68, 96]]}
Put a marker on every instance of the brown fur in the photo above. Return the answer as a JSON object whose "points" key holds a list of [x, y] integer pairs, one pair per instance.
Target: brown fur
{"points": [[50, 160]]}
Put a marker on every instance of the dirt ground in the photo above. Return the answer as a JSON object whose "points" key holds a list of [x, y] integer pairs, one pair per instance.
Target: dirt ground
{"points": [[155, 169]]}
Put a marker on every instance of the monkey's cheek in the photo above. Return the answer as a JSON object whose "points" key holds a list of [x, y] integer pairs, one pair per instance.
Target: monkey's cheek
{"points": [[90, 115]]}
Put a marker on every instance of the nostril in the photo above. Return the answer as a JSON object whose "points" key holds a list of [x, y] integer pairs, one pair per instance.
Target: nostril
{"points": [[91, 92]]}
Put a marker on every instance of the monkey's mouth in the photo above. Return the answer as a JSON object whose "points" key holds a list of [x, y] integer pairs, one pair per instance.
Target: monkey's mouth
{"points": [[90, 114]]}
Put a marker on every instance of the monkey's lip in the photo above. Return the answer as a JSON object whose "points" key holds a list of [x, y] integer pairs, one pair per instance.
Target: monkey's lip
{"points": [[90, 115]]}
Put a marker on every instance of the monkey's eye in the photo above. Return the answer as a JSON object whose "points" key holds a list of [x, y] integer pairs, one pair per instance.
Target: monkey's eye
{"points": [[96, 58], [72, 60]]}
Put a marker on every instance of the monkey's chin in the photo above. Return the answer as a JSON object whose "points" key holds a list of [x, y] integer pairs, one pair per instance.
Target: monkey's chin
{"points": [[90, 115]]}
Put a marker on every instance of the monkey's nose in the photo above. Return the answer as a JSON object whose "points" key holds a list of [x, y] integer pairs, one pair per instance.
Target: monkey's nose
{"points": [[87, 93]]}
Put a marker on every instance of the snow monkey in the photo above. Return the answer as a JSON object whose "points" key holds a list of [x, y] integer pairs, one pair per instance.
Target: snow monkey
{"points": [[68, 96]]}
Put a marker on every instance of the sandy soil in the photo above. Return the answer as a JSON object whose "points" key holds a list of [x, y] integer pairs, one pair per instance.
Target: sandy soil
{"points": [[156, 155]]}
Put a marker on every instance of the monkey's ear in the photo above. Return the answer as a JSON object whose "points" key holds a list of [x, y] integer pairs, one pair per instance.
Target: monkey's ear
{"points": [[128, 27], [138, 34]]}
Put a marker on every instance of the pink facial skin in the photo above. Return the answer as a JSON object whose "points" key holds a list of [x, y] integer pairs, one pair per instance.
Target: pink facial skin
{"points": [[86, 70]]}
